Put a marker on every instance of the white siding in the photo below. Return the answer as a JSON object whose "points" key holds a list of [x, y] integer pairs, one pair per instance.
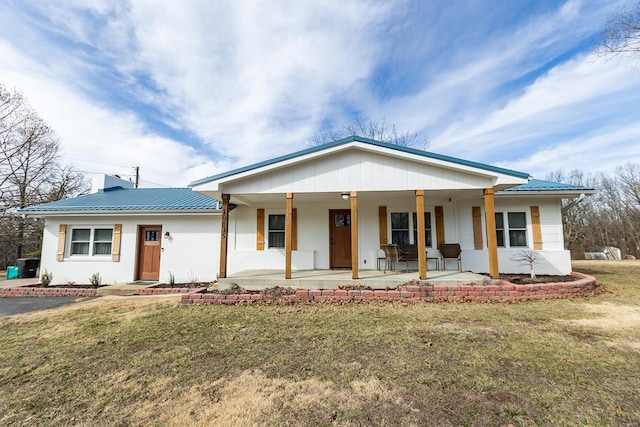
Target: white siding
{"points": [[192, 252], [553, 258], [358, 170]]}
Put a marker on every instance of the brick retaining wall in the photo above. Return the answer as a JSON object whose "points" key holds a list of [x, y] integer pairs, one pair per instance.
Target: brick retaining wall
{"points": [[503, 292], [51, 291]]}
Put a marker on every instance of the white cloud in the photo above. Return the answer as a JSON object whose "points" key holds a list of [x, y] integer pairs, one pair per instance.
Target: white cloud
{"points": [[254, 79], [602, 152], [91, 132]]}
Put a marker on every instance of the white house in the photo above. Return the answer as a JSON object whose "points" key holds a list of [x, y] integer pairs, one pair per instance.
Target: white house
{"points": [[326, 207]]}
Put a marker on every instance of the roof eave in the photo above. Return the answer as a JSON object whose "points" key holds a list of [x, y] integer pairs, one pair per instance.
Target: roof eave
{"points": [[555, 193], [121, 212]]}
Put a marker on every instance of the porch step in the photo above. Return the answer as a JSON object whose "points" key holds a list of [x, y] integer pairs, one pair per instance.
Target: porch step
{"points": [[123, 289]]}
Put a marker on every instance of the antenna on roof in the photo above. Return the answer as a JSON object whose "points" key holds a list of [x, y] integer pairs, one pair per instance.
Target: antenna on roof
{"points": [[137, 168]]}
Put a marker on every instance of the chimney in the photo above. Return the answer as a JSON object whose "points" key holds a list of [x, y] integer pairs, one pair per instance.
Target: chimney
{"points": [[101, 182]]}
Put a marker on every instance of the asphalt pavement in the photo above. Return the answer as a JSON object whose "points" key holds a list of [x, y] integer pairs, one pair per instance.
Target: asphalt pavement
{"points": [[17, 305]]}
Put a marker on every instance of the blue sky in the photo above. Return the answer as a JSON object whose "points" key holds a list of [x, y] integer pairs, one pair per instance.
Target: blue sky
{"points": [[190, 89]]}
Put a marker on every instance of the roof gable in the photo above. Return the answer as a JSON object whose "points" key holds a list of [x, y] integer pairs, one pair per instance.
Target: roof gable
{"points": [[358, 164], [332, 146]]}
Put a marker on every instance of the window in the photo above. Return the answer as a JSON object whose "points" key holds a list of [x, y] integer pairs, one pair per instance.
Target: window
{"points": [[400, 228], [516, 229], [276, 231], [343, 220], [404, 228], [500, 229], [80, 241], [427, 228], [91, 241]]}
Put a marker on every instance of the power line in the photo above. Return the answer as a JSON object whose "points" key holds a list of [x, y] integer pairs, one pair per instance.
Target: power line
{"points": [[100, 163]]}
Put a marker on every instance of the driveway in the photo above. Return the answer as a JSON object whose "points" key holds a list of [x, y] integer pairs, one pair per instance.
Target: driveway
{"points": [[17, 305]]}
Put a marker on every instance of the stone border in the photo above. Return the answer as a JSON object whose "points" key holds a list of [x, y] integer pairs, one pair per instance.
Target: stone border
{"points": [[50, 291], [502, 292], [165, 291]]}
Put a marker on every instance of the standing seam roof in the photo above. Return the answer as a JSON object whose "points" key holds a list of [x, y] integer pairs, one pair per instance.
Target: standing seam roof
{"points": [[141, 199]]}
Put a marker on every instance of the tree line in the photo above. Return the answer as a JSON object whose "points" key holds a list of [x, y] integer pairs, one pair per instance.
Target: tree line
{"points": [[610, 217], [30, 174]]}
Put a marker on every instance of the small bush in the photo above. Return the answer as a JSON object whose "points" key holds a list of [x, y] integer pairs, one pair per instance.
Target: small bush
{"points": [[46, 278], [96, 279]]}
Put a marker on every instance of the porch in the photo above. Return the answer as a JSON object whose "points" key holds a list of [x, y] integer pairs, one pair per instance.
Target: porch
{"points": [[332, 279]]}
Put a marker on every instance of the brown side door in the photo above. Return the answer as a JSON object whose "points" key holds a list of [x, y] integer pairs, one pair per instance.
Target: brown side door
{"points": [[149, 248], [340, 234]]}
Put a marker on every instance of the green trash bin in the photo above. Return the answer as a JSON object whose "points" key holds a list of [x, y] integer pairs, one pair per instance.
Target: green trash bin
{"points": [[12, 272]]}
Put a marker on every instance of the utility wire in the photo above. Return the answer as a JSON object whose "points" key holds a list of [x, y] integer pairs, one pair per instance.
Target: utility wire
{"points": [[100, 163]]}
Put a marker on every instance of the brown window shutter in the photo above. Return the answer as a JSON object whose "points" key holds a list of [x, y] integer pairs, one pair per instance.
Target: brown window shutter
{"points": [[439, 226], [294, 229], [382, 225], [477, 228], [115, 247], [62, 238], [260, 230], [537, 229]]}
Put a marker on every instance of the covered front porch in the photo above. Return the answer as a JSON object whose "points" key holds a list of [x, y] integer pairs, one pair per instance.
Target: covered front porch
{"points": [[332, 279]]}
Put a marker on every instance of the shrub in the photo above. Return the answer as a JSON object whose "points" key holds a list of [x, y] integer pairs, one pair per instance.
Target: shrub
{"points": [[96, 279], [46, 278]]}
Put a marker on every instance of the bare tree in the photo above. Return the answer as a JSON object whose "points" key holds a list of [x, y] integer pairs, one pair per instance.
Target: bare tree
{"points": [[377, 130], [29, 172], [622, 33], [528, 257], [610, 217]]}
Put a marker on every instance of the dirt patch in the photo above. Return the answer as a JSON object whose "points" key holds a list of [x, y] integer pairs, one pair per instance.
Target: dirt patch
{"points": [[525, 279], [614, 317]]}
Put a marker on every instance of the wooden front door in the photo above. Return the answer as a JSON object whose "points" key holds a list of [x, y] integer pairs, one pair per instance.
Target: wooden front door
{"points": [[340, 234], [149, 248]]}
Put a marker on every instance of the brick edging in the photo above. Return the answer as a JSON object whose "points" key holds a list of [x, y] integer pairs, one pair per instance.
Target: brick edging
{"points": [[502, 292], [27, 291]]}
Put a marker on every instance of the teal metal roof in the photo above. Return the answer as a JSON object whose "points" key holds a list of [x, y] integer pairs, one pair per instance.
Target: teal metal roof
{"points": [[373, 142], [141, 199], [541, 185]]}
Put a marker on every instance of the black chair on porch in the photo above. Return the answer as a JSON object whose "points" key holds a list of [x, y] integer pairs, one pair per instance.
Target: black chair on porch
{"points": [[450, 252]]}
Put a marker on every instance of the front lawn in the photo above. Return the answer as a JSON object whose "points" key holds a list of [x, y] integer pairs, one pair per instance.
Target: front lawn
{"points": [[150, 362]]}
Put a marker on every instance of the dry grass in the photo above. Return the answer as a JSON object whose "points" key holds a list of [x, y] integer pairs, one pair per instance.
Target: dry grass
{"points": [[149, 362]]}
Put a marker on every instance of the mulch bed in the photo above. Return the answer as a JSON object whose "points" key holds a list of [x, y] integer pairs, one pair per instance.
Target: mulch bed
{"points": [[274, 292], [190, 285], [525, 279], [74, 286]]}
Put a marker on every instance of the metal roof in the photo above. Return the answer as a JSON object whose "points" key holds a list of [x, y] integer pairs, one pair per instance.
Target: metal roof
{"points": [[373, 142], [140, 199], [541, 185]]}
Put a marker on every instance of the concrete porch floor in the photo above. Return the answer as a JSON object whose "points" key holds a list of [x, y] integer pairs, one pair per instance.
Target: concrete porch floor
{"points": [[332, 279]]}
